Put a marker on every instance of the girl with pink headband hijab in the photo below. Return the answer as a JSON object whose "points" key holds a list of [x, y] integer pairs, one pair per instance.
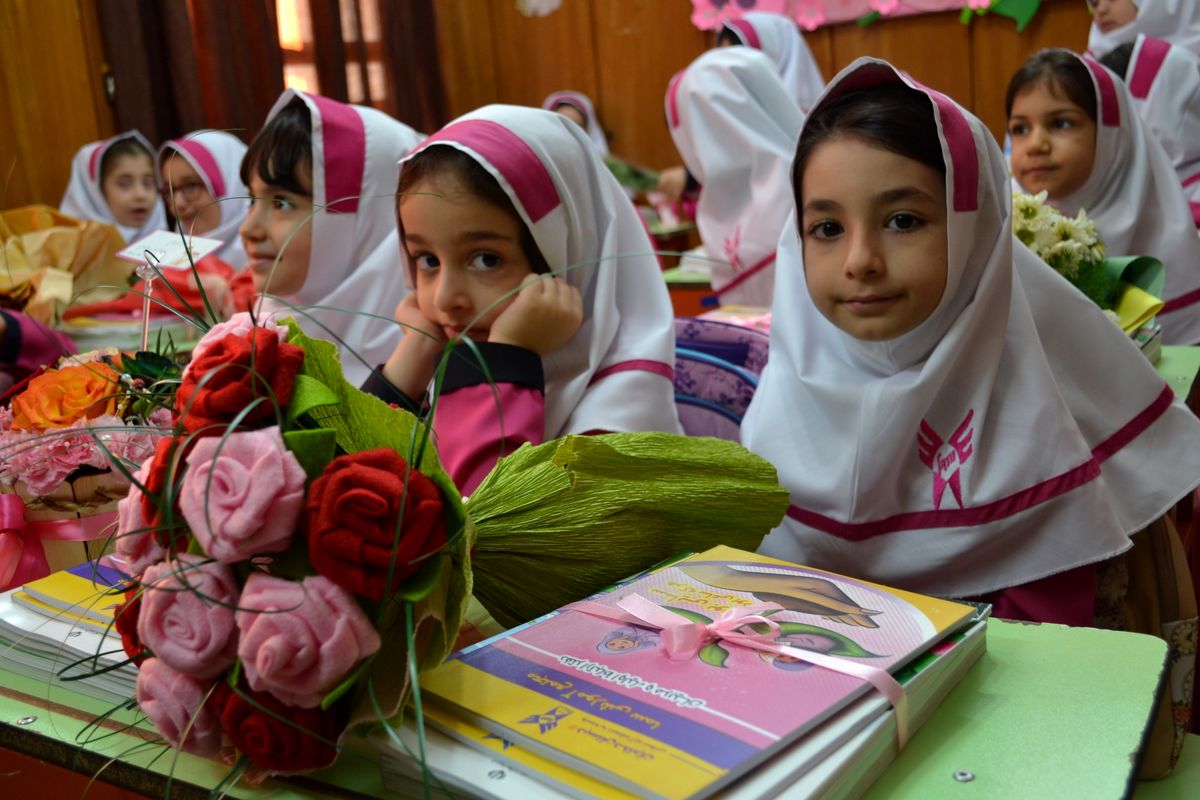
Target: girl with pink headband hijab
{"points": [[517, 236], [941, 404], [114, 181], [203, 189], [1076, 135], [1115, 22], [735, 127], [320, 233], [780, 39]]}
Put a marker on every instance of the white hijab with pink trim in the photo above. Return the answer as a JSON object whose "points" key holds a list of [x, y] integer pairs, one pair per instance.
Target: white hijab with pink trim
{"points": [[1135, 200], [780, 38], [217, 158], [1014, 434], [735, 127], [1176, 21], [354, 265], [84, 198], [583, 104], [616, 372], [1164, 81]]}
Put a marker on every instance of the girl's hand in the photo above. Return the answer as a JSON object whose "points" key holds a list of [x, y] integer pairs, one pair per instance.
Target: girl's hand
{"points": [[672, 181], [410, 367], [543, 317]]}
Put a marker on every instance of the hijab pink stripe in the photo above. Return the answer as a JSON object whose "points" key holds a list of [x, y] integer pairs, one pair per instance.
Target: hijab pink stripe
{"points": [[94, 159], [1110, 112], [963, 154], [512, 157], [1151, 56], [635, 365], [204, 161], [673, 99], [748, 35], [345, 145]]}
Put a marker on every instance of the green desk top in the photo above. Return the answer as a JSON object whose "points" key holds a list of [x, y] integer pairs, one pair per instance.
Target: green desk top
{"points": [[1048, 711], [1179, 365]]}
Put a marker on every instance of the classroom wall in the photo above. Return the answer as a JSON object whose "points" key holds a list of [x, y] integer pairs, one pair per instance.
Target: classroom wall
{"points": [[622, 53], [51, 95]]}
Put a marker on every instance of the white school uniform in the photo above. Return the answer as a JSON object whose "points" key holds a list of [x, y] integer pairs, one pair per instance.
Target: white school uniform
{"points": [[84, 199], [616, 372], [1164, 80], [780, 38], [1014, 434], [217, 158], [1176, 21], [735, 126], [354, 263]]}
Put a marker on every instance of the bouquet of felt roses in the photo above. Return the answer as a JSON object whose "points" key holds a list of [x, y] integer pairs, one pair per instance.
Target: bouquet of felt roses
{"points": [[68, 436], [300, 556], [295, 546], [1128, 289]]}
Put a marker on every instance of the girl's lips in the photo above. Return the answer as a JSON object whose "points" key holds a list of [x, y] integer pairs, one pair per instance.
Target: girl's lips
{"points": [[869, 305], [261, 264]]}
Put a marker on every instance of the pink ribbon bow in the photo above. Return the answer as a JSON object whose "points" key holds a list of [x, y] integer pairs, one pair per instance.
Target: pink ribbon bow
{"points": [[682, 639], [22, 556]]}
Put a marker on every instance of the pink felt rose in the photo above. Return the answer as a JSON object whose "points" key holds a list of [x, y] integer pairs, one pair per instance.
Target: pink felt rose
{"points": [[242, 495], [187, 615], [180, 708], [239, 325], [312, 635], [137, 541]]}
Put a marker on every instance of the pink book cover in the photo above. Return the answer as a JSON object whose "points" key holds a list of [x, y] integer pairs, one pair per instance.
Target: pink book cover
{"points": [[604, 697]]}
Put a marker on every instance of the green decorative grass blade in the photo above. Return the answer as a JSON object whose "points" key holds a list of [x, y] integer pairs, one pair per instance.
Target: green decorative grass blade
{"points": [[567, 518]]}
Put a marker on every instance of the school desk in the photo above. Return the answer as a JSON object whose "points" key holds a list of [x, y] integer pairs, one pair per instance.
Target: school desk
{"points": [[1047, 712], [1180, 366]]}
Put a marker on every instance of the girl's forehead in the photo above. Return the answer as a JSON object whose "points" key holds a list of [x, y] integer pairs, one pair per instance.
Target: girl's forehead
{"points": [[1045, 87], [132, 162]]}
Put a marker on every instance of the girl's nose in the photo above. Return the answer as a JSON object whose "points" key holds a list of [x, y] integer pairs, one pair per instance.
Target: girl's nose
{"points": [[863, 259], [252, 227], [451, 292]]}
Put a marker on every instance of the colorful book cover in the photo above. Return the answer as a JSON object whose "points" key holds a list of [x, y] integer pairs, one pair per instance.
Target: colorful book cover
{"points": [[84, 591], [604, 698]]}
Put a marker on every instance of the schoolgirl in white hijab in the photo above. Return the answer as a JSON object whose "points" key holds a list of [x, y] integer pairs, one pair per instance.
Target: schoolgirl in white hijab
{"points": [[583, 104], [614, 373], [351, 283], [1013, 434], [216, 159], [1164, 80], [735, 126], [1131, 191], [1176, 21], [780, 38], [84, 197]]}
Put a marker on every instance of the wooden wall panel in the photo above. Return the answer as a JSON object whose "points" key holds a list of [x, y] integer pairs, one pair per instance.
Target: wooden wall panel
{"points": [[640, 44], [52, 97], [933, 48], [539, 55], [997, 52], [467, 54]]}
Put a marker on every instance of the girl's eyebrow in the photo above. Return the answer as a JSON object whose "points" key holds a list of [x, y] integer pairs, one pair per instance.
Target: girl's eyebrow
{"points": [[466, 236], [896, 195]]}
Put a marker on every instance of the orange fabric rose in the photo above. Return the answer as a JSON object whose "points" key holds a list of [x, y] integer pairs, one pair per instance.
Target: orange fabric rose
{"points": [[58, 398]]}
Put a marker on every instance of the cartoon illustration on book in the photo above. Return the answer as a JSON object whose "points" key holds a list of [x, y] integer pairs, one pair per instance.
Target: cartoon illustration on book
{"points": [[627, 640], [802, 593]]}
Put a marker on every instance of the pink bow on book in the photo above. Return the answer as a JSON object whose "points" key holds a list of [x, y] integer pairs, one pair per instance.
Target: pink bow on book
{"points": [[22, 556]]}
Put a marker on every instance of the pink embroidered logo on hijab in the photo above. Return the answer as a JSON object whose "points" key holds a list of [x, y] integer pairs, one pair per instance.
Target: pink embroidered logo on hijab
{"points": [[946, 459]]}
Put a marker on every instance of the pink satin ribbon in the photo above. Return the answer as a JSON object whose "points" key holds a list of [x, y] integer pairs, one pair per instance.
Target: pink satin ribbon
{"points": [[22, 557], [682, 639]]}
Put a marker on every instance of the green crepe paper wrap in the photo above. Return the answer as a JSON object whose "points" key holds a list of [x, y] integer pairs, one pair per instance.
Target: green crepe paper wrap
{"points": [[359, 422], [560, 521], [631, 175]]}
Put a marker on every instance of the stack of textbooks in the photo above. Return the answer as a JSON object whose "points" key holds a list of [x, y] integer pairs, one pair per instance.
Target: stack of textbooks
{"points": [[576, 704], [60, 628]]}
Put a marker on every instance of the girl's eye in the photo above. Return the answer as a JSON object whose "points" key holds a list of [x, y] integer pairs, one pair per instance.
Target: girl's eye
{"points": [[485, 262], [281, 203], [1018, 129], [903, 222], [424, 261], [825, 229], [1063, 122]]}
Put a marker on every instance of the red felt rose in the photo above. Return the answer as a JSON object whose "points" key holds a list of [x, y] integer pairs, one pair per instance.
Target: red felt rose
{"points": [[280, 738], [125, 618], [156, 478], [351, 515], [231, 374]]}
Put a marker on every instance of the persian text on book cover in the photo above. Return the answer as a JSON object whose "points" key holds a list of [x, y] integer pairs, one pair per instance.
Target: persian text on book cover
{"points": [[604, 697]]}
